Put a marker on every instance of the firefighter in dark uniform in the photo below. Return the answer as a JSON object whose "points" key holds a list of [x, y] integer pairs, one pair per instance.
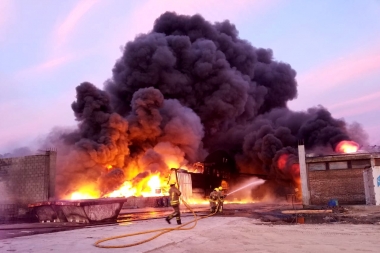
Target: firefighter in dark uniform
{"points": [[214, 195], [221, 196], [174, 194]]}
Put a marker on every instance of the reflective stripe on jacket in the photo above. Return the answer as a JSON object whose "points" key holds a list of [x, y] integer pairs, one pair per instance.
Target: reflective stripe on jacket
{"points": [[174, 194]]}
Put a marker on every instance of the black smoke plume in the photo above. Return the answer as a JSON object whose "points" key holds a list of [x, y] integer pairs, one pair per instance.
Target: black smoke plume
{"points": [[185, 89]]}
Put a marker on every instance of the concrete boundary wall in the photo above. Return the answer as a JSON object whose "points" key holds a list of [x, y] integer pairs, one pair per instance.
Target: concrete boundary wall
{"points": [[27, 179]]}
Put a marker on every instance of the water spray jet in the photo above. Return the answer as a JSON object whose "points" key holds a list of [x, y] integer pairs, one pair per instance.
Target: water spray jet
{"points": [[256, 183]]}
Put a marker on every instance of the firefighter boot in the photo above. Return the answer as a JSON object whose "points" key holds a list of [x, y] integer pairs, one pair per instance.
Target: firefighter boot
{"points": [[179, 222], [167, 220]]}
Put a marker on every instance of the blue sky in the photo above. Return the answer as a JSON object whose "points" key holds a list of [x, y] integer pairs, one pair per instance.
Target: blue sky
{"points": [[49, 47]]}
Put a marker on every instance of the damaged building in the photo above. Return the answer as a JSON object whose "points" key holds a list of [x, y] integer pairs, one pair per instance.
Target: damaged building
{"points": [[350, 179]]}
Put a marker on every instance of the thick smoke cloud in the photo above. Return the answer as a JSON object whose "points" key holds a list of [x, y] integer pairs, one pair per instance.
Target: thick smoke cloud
{"points": [[187, 88]]}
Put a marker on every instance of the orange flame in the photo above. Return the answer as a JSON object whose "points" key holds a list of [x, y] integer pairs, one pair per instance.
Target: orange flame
{"points": [[150, 186], [85, 192], [82, 195], [126, 190], [153, 185], [347, 147]]}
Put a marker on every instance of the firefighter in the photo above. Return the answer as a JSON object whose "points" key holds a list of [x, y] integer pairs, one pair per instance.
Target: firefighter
{"points": [[214, 200], [221, 197], [174, 194]]}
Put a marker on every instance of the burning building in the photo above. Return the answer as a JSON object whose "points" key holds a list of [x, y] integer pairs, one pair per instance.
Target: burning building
{"points": [[177, 95]]}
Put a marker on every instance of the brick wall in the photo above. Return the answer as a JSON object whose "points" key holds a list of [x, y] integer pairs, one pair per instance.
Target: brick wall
{"points": [[345, 185], [28, 179]]}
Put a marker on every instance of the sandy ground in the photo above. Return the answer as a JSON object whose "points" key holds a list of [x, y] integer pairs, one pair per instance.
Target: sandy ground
{"points": [[214, 234]]}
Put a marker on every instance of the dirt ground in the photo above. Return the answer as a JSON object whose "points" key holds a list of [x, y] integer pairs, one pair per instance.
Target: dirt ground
{"points": [[272, 213], [219, 234], [265, 212]]}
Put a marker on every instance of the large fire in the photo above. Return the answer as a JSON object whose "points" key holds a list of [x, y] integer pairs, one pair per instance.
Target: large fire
{"points": [[155, 184], [85, 192], [347, 147], [153, 187], [162, 108]]}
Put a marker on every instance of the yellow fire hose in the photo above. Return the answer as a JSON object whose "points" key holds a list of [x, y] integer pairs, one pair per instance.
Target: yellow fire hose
{"points": [[163, 231]]}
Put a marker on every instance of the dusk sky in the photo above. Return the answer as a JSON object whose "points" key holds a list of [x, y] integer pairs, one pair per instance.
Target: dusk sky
{"points": [[49, 47]]}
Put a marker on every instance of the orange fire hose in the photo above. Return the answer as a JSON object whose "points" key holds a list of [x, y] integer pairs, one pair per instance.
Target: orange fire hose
{"points": [[161, 232]]}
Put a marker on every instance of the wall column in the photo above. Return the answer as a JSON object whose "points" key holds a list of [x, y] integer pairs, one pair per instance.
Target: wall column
{"points": [[304, 175]]}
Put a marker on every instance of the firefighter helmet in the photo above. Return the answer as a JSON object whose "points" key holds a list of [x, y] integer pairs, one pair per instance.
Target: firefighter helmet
{"points": [[172, 182], [220, 188], [216, 189]]}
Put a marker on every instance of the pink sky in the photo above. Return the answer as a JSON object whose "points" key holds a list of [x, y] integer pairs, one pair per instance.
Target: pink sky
{"points": [[65, 28], [350, 67], [48, 48], [6, 10], [347, 85], [143, 16]]}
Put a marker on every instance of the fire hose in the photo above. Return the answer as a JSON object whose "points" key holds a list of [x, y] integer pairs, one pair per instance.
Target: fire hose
{"points": [[160, 231]]}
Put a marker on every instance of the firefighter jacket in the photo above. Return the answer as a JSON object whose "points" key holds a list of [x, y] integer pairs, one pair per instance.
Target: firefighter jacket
{"points": [[214, 196], [174, 194], [221, 196]]}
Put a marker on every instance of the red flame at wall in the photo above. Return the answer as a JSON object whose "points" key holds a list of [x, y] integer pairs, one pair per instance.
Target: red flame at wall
{"points": [[347, 147], [293, 170], [281, 162]]}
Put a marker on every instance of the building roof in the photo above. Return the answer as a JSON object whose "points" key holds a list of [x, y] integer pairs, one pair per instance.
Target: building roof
{"points": [[340, 157]]}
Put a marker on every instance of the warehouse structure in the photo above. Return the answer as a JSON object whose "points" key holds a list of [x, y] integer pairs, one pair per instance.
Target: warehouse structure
{"points": [[351, 179]]}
